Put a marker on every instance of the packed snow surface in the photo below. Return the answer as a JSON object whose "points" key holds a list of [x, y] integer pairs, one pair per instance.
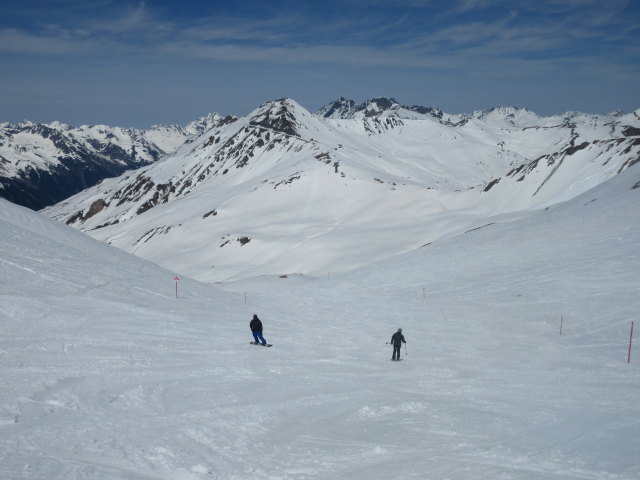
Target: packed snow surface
{"points": [[106, 374]]}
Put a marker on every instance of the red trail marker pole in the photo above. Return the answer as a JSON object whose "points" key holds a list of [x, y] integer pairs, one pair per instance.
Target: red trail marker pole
{"points": [[630, 340], [176, 279]]}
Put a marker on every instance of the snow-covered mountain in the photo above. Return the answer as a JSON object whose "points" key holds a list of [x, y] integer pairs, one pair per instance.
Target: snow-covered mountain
{"points": [[107, 375], [41, 164], [282, 190]]}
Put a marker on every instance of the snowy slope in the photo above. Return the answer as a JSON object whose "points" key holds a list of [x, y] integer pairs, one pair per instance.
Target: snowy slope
{"points": [[41, 164], [106, 375], [283, 191]]}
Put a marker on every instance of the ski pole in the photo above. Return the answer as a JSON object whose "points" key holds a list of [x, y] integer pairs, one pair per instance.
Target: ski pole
{"points": [[405, 350]]}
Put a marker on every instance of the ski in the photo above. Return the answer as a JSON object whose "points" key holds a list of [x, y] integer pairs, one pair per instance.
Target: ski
{"points": [[264, 345]]}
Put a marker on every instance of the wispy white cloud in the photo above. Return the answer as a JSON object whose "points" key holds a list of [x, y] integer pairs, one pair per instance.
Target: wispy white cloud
{"points": [[263, 31], [13, 41], [135, 22], [469, 5]]}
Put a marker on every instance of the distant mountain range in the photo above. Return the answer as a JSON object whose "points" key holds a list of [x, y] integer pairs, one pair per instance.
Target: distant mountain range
{"points": [[283, 190], [41, 164]]}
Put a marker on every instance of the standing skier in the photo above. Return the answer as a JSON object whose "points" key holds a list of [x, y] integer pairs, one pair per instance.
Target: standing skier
{"points": [[256, 329], [397, 340]]}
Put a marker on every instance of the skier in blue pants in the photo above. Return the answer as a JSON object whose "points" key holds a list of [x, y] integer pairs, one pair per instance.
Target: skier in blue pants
{"points": [[256, 329]]}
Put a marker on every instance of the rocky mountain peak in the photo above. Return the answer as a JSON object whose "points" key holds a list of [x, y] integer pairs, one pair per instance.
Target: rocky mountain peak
{"points": [[377, 105], [431, 111], [339, 108], [507, 111], [374, 107], [280, 115]]}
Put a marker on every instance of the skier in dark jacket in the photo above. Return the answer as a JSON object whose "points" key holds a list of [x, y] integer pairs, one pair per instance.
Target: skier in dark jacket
{"points": [[397, 340], [256, 329]]}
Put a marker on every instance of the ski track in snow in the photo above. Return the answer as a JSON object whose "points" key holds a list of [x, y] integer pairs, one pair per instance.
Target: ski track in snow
{"points": [[105, 374]]}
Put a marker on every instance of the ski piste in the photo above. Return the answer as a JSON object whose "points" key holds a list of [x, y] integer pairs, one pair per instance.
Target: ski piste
{"points": [[482, 393], [264, 345]]}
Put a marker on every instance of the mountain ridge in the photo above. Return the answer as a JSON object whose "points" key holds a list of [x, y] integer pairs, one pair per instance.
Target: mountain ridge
{"points": [[341, 108], [270, 192]]}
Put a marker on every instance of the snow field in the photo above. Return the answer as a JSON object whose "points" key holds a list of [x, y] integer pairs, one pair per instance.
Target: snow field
{"points": [[106, 375]]}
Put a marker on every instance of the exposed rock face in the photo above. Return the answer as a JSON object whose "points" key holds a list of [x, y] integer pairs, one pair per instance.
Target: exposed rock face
{"points": [[340, 108], [380, 106], [276, 116]]}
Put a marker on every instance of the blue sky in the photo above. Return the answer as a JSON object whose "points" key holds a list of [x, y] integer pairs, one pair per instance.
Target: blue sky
{"points": [[138, 63]]}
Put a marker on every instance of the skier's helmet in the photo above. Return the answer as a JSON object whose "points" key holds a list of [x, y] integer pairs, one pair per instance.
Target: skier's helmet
{"points": [[400, 330]]}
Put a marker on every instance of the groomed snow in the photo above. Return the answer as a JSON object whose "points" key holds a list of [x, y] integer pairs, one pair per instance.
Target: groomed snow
{"points": [[106, 375]]}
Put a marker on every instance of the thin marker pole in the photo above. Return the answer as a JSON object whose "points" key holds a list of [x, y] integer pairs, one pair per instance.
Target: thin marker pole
{"points": [[630, 340]]}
